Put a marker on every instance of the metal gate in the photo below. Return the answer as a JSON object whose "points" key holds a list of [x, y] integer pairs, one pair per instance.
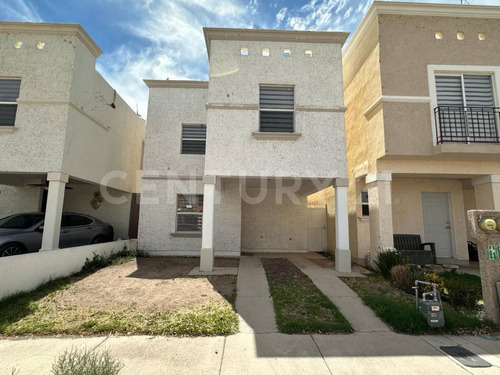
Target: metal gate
{"points": [[316, 228]]}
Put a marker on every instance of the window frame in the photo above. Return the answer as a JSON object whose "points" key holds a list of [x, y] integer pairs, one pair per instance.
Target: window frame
{"points": [[177, 213], [364, 204], [279, 109], [11, 103], [193, 139], [436, 70]]}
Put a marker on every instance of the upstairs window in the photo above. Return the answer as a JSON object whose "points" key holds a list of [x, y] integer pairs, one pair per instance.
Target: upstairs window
{"points": [[9, 92], [194, 139], [189, 213], [276, 109]]}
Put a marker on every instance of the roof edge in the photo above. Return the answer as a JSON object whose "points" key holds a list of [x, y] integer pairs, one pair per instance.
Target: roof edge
{"points": [[417, 9], [46, 28], [273, 35], [186, 84]]}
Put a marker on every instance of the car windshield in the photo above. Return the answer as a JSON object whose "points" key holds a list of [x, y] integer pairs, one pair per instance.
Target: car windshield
{"points": [[20, 221]]}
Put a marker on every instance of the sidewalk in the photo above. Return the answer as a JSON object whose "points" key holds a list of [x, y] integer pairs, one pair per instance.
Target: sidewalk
{"points": [[267, 353]]}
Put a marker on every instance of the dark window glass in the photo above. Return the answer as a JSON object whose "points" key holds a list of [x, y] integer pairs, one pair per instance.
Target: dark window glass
{"points": [[189, 213], [77, 220], [276, 109], [9, 92], [194, 139], [365, 208], [20, 221]]}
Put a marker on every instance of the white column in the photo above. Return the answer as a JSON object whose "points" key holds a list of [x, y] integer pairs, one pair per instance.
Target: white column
{"points": [[380, 203], [53, 212], [487, 192], [342, 251], [207, 235]]}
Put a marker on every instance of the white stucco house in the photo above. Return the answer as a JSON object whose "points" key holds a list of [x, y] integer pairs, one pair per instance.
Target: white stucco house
{"points": [[229, 162], [66, 136]]}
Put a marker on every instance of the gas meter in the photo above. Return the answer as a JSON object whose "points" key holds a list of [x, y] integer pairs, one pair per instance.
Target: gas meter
{"points": [[430, 305]]}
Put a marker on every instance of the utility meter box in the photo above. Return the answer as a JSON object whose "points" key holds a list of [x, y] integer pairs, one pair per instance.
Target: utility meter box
{"points": [[486, 227], [433, 312]]}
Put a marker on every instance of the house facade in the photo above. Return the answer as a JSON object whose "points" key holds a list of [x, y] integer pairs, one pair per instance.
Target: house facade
{"points": [[69, 142], [229, 163], [422, 91]]}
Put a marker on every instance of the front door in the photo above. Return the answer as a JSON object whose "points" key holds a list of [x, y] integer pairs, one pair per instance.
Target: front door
{"points": [[437, 222], [316, 228]]}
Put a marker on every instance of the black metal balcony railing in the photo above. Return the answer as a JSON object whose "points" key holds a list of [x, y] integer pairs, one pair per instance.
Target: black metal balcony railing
{"points": [[467, 124]]}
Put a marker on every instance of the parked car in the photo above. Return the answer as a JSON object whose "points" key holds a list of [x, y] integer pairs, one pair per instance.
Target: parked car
{"points": [[22, 233]]}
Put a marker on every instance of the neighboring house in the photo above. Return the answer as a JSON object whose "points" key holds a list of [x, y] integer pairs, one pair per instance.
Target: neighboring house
{"points": [[229, 163], [422, 91], [64, 131]]}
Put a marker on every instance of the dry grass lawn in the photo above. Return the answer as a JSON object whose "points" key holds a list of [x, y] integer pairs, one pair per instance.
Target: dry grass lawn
{"points": [[141, 296]]}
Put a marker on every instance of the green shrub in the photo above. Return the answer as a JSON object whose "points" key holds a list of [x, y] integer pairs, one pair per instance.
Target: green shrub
{"points": [[97, 262], [84, 362], [461, 293], [433, 277], [386, 260]]}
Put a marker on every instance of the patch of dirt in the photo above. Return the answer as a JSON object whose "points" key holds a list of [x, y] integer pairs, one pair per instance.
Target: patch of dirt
{"points": [[144, 285], [281, 269], [325, 263]]}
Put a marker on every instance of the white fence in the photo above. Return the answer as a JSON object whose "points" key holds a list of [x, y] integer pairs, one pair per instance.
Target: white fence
{"points": [[25, 272]]}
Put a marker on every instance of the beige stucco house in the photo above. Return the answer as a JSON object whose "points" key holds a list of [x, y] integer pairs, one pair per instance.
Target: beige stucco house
{"points": [[422, 91], [229, 162], [65, 134]]}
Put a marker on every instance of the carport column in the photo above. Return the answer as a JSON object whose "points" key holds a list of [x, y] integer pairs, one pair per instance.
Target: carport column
{"points": [[207, 233], [380, 205], [342, 251], [53, 212], [487, 192]]}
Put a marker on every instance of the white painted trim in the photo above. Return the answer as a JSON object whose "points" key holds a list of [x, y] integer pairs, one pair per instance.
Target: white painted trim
{"points": [[276, 136], [241, 107], [395, 99], [383, 176], [432, 70], [192, 253], [7, 129], [182, 84], [57, 176], [172, 177], [488, 179]]}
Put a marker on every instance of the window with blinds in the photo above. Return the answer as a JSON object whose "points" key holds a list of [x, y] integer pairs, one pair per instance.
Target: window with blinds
{"points": [[9, 92], [194, 139], [277, 106], [466, 110], [189, 213]]}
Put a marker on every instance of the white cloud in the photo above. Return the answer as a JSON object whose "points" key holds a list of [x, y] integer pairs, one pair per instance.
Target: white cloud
{"points": [[317, 15], [19, 10], [253, 6], [171, 44], [280, 15]]}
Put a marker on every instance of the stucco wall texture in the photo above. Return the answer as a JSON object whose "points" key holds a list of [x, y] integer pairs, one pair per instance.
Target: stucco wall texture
{"points": [[235, 80], [60, 96], [14, 200]]}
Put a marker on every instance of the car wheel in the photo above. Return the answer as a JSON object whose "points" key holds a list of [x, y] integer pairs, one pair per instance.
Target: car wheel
{"points": [[98, 239], [12, 249]]}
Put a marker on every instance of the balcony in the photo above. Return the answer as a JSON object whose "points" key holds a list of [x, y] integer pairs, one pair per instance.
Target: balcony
{"points": [[456, 124]]}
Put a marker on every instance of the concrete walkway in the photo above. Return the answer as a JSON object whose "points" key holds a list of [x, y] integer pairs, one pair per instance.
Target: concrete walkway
{"points": [[253, 300], [361, 317], [268, 353]]}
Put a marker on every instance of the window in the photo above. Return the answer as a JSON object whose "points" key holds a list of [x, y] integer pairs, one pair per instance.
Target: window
{"points": [[460, 35], [194, 139], [78, 220], [287, 52], [465, 111], [308, 52], [265, 52], [189, 213], [276, 109], [244, 51], [9, 92], [438, 35], [23, 221], [365, 208]]}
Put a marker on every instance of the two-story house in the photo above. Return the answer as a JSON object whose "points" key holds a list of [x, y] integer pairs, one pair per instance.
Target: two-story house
{"points": [[229, 163], [422, 91], [68, 141]]}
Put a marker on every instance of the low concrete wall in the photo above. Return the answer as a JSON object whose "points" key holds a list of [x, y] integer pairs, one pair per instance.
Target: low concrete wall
{"points": [[25, 272]]}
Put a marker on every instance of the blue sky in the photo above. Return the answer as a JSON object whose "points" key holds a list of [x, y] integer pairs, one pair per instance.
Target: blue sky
{"points": [[163, 38]]}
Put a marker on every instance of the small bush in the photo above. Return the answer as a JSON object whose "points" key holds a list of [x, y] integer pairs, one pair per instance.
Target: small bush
{"points": [[84, 362], [462, 294], [402, 276], [122, 256], [386, 260]]}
